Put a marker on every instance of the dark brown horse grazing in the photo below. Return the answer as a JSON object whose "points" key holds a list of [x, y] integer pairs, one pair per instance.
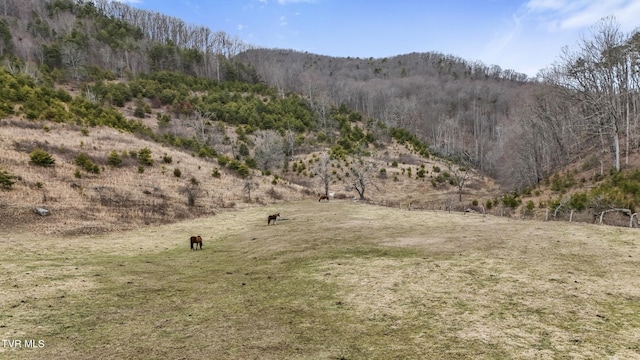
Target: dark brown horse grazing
{"points": [[196, 240], [323, 197], [273, 218]]}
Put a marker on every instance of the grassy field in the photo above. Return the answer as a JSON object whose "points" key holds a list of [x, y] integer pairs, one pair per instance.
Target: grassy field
{"points": [[337, 280]]}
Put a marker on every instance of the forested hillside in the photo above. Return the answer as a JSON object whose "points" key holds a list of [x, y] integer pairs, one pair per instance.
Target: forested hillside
{"points": [[460, 109], [81, 36], [566, 140], [109, 129], [576, 124]]}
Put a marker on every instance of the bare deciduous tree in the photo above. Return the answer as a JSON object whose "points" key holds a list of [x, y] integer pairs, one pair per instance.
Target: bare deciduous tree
{"points": [[192, 191], [74, 58], [290, 139], [323, 171], [598, 77], [250, 185], [363, 174], [199, 121], [269, 149], [460, 175]]}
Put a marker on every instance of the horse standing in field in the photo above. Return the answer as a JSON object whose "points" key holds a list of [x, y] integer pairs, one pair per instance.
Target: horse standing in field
{"points": [[323, 197], [197, 240], [273, 218]]}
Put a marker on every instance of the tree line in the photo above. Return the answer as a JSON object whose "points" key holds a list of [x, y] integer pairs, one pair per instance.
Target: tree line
{"points": [[590, 98], [459, 108], [76, 35]]}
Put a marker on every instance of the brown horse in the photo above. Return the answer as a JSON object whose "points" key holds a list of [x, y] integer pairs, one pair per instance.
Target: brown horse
{"points": [[323, 197], [273, 218], [197, 240]]}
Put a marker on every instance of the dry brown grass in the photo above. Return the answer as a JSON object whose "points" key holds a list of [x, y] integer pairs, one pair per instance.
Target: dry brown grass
{"points": [[330, 280], [117, 198], [121, 198]]}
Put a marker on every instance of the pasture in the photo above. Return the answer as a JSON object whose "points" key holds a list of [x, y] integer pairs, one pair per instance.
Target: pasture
{"points": [[336, 280]]}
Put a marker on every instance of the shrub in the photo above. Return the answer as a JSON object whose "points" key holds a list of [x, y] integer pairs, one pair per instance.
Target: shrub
{"points": [[206, 152], [561, 183], [489, 204], [216, 173], [114, 159], [442, 178], [338, 152], [42, 158], [579, 201], [511, 200], [139, 112], [6, 179], [144, 157], [530, 206], [85, 162], [251, 163], [223, 160], [163, 120], [240, 168], [243, 171], [177, 173]]}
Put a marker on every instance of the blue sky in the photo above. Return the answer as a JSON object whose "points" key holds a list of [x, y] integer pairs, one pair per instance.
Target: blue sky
{"points": [[523, 35]]}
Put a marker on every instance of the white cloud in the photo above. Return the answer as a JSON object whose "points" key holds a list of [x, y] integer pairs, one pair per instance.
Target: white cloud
{"points": [[505, 38], [283, 21], [561, 15]]}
